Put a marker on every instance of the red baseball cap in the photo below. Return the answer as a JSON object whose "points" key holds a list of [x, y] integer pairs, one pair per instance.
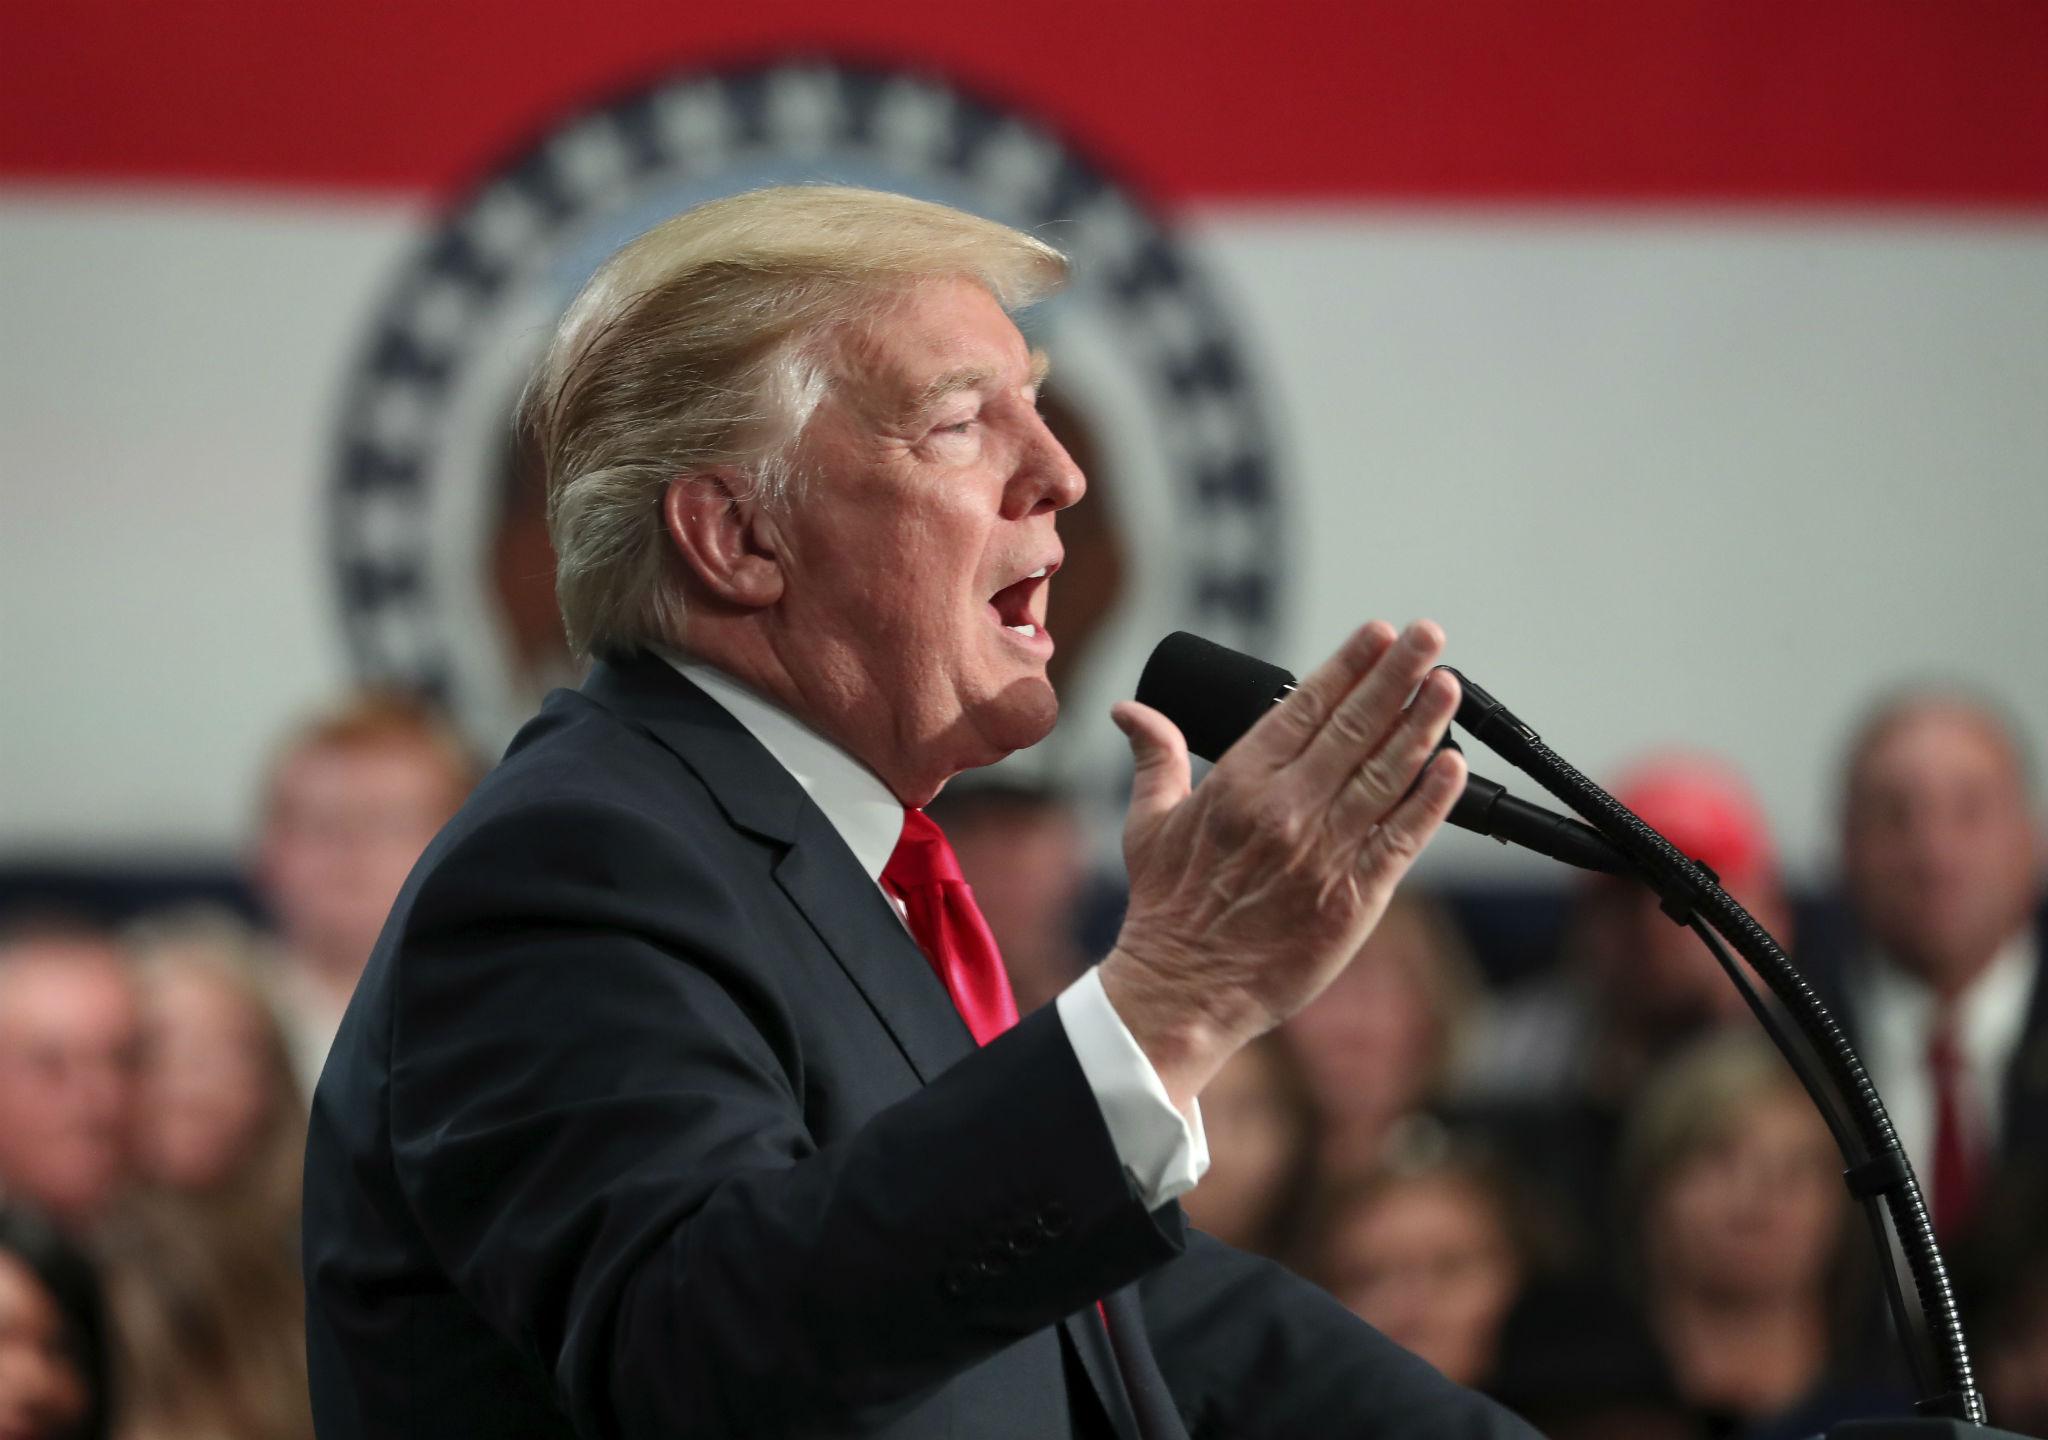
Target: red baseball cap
{"points": [[1701, 805]]}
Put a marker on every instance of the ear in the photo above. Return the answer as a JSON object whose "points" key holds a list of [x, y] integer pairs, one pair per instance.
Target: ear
{"points": [[727, 542]]}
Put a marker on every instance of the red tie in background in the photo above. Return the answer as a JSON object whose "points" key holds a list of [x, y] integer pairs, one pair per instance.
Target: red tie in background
{"points": [[940, 908], [1955, 1148]]}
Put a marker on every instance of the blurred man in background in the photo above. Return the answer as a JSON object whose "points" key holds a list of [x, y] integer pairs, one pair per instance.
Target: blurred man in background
{"points": [[1941, 855], [353, 798], [70, 1029], [1564, 1058], [1634, 983], [1023, 850]]}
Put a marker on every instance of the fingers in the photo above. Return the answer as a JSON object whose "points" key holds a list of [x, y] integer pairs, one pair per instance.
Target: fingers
{"points": [[1391, 848], [1159, 754], [1286, 730], [1361, 722], [1375, 787]]}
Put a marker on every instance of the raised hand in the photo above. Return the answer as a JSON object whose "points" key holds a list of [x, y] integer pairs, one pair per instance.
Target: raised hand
{"points": [[1251, 893]]}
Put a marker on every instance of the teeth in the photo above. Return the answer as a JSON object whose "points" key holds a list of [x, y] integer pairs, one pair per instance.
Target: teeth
{"points": [[1038, 574], [1025, 630]]}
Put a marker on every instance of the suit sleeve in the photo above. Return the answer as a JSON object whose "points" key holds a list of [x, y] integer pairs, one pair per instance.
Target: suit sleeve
{"points": [[597, 1126], [1250, 1350]]}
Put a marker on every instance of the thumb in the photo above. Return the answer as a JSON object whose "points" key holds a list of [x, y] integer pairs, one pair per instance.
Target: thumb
{"points": [[1160, 754]]}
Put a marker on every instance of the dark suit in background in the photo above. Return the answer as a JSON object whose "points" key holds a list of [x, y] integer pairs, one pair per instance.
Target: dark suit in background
{"points": [[650, 1119]]}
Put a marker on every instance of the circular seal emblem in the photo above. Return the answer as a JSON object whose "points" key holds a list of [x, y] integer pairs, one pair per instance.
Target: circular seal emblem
{"points": [[438, 537]]}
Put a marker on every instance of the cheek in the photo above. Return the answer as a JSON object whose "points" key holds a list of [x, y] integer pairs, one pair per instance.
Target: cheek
{"points": [[1683, 1209]]}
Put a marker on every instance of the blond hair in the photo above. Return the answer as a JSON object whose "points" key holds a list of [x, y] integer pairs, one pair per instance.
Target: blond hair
{"points": [[704, 344], [1696, 1099], [218, 947]]}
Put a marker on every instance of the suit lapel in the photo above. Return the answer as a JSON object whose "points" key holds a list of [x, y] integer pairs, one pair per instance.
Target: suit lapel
{"points": [[1157, 1417], [1091, 1343], [853, 919], [2025, 1088], [846, 910]]}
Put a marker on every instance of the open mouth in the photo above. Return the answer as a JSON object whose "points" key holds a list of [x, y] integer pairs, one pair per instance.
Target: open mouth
{"points": [[1013, 604]]}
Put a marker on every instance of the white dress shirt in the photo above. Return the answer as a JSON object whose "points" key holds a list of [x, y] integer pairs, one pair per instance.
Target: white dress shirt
{"points": [[1895, 1011], [1163, 1151]]}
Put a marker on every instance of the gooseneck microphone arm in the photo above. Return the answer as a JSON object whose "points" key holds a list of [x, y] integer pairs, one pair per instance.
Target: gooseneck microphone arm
{"points": [[1215, 694], [1877, 1165]]}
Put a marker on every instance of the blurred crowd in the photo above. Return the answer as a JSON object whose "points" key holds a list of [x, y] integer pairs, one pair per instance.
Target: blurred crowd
{"points": [[1595, 1192]]}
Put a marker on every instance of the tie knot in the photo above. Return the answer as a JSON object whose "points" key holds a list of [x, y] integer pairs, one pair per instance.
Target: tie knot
{"points": [[922, 856]]}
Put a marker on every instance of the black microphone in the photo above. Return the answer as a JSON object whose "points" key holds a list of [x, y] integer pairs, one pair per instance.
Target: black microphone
{"points": [[1215, 694]]}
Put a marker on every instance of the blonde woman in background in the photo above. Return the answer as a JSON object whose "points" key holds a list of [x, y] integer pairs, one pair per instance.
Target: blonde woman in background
{"points": [[1380, 1044], [1431, 1250], [220, 1117], [1741, 1230], [202, 1267]]}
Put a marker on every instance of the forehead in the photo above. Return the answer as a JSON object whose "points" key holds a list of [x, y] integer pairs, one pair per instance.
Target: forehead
{"points": [[935, 329], [1437, 1203], [382, 760], [1936, 743], [63, 981]]}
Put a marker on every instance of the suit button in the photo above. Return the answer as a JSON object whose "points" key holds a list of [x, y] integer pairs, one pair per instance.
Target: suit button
{"points": [[957, 1280], [1053, 1220], [1020, 1240]]}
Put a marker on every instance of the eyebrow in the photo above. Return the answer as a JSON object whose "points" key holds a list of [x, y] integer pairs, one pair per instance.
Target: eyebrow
{"points": [[972, 378]]}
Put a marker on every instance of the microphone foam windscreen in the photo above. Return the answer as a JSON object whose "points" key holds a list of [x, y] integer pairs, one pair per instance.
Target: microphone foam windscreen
{"points": [[1212, 692]]}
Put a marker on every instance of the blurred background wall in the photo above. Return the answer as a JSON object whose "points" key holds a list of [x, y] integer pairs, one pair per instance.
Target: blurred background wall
{"points": [[1689, 361]]}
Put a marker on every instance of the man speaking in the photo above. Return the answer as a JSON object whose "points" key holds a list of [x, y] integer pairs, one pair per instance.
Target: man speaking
{"points": [[684, 1095]]}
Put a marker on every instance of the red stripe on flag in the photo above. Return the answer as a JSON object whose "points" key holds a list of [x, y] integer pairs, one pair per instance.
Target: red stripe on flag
{"points": [[1921, 102]]}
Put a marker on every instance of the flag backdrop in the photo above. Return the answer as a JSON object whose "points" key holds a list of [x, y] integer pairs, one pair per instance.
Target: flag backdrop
{"points": [[1688, 360]]}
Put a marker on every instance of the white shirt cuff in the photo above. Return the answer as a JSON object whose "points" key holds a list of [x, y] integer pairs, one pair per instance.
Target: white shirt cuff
{"points": [[1163, 1151]]}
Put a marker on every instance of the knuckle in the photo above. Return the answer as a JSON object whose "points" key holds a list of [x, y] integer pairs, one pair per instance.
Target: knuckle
{"points": [[1276, 819], [1351, 725], [1397, 843], [1380, 780]]}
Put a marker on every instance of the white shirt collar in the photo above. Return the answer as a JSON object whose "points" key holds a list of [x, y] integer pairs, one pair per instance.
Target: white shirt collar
{"points": [[1990, 1014], [867, 815]]}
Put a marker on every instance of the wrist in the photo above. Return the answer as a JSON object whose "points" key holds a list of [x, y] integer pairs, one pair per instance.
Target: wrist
{"points": [[1186, 1030]]}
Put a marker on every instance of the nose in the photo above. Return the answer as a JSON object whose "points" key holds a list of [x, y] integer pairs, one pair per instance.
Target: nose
{"points": [[1046, 478]]}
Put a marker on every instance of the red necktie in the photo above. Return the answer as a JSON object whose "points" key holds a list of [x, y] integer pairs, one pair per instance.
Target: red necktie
{"points": [[1955, 1155], [924, 874]]}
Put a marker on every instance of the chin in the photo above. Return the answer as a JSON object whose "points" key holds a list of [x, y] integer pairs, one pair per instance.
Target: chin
{"points": [[1018, 717]]}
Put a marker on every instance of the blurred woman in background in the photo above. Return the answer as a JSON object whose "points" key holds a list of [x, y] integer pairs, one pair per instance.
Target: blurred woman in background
{"points": [[202, 1266], [1431, 1250], [220, 1118], [53, 1338], [213, 1340], [1379, 1045], [1261, 1125], [1741, 1230]]}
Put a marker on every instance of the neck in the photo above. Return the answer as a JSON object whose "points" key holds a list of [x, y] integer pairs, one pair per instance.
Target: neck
{"points": [[836, 706], [1753, 1354], [1949, 978]]}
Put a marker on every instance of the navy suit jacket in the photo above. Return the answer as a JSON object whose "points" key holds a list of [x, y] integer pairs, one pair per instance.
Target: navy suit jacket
{"points": [[649, 1119], [2023, 1090]]}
